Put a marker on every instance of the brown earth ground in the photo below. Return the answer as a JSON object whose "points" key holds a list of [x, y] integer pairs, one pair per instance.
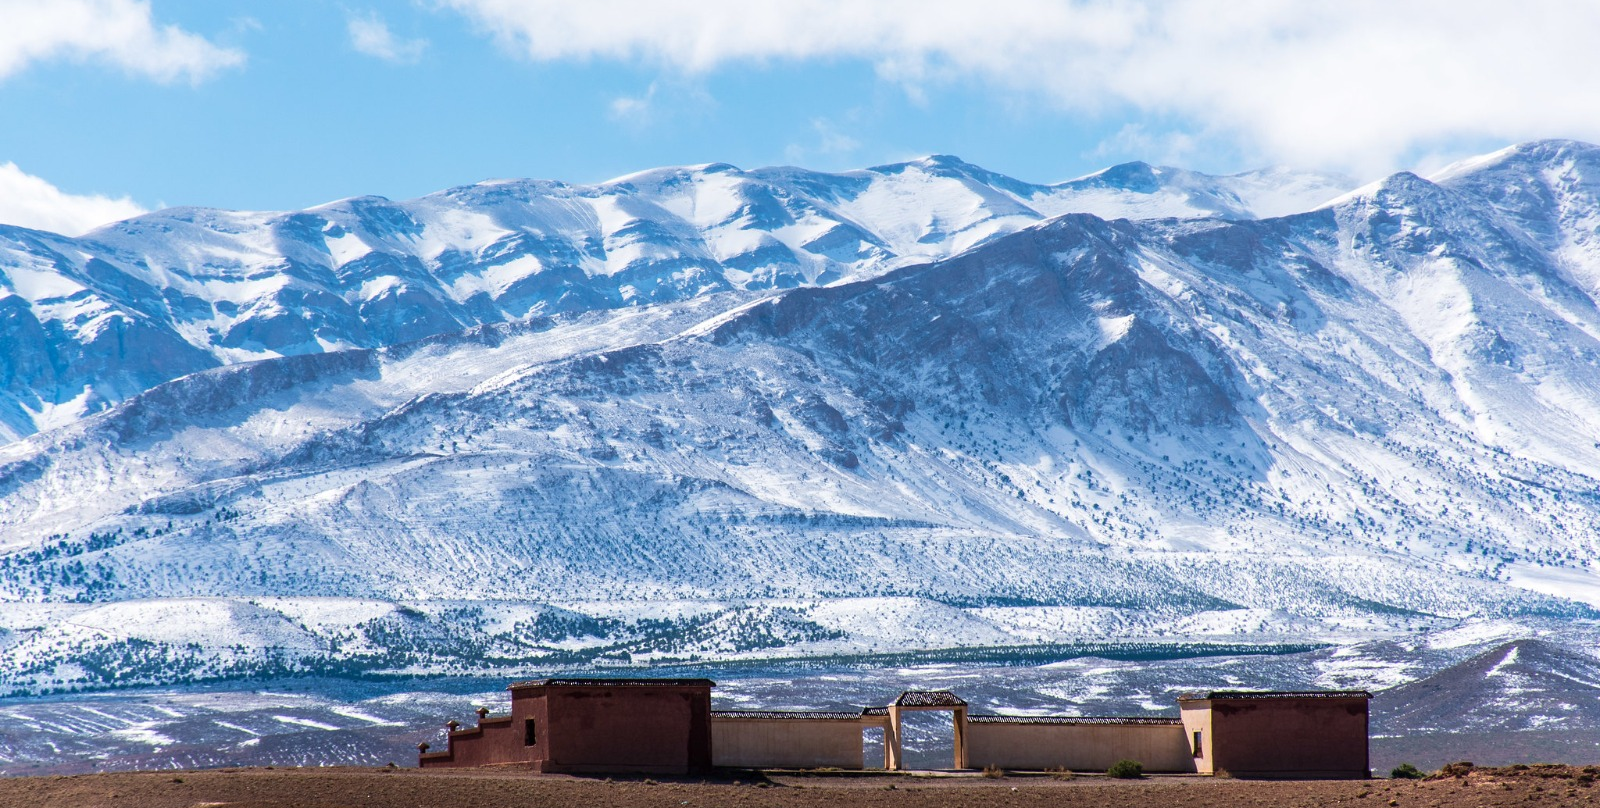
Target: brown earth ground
{"points": [[1545, 785]]}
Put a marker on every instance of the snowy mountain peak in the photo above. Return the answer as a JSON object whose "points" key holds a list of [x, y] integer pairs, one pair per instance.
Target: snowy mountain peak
{"points": [[943, 161], [1136, 176], [1530, 157], [1546, 188], [182, 289], [725, 413], [1394, 192], [1163, 191], [1399, 188]]}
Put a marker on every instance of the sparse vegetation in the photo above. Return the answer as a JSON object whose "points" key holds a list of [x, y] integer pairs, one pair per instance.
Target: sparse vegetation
{"points": [[1406, 771], [1126, 770], [993, 772]]}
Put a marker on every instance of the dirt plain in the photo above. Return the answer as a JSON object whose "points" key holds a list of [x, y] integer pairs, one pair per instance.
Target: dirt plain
{"points": [[1544, 785]]}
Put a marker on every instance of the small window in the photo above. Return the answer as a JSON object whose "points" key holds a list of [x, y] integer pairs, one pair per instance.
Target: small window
{"points": [[1198, 749], [530, 738]]}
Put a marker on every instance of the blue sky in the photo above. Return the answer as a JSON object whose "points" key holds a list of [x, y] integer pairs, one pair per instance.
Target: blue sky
{"points": [[117, 105]]}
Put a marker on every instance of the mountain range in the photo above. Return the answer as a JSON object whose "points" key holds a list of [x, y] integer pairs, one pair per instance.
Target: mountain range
{"points": [[705, 413], [90, 321]]}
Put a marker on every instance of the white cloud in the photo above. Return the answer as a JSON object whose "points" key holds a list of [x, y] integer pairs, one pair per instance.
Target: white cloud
{"points": [[661, 101], [1163, 147], [120, 32], [829, 142], [369, 34], [634, 110], [28, 201], [1358, 84]]}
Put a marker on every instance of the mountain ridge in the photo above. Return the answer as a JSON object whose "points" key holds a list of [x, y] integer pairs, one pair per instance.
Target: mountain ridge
{"points": [[1360, 421], [86, 318]]}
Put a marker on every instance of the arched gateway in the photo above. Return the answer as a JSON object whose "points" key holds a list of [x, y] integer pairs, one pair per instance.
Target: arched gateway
{"points": [[923, 701]]}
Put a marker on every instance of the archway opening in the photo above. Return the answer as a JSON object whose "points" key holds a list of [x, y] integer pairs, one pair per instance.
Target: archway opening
{"points": [[872, 747], [927, 739]]}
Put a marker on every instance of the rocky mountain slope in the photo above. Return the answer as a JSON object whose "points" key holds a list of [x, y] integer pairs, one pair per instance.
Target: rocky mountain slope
{"points": [[86, 322], [1364, 420], [1525, 685]]}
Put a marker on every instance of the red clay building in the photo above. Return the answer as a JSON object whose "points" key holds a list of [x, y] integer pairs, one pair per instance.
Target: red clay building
{"points": [[592, 726], [666, 726], [1320, 735]]}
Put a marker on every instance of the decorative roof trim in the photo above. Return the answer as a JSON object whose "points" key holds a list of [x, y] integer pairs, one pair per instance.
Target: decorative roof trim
{"points": [[929, 698]]}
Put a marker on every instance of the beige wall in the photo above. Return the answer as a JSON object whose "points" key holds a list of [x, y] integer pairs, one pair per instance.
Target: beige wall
{"points": [[786, 743], [1079, 747], [1197, 718]]}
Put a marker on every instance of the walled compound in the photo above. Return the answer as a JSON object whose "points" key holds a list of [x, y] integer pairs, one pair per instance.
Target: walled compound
{"points": [[667, 726]]}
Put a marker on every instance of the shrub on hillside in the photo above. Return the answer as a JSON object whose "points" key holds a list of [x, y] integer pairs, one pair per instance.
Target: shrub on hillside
{"points": [[1126, 769], [1406, 771]]}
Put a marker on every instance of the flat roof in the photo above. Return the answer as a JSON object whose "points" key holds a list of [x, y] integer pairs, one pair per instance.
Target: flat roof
{"points": [[1073, 719], [1276, 694], [796, 715], [601, 681]]}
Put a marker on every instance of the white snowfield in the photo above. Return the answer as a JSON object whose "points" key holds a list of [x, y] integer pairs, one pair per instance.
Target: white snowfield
{"points": [[710, 414]]}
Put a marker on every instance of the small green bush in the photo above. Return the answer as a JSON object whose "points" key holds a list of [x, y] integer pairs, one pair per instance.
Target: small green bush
{"points": [[1406, 771], [1126, 770]]}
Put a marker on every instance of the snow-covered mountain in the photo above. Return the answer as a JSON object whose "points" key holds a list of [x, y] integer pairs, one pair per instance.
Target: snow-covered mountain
{"points": [[1529, 684], [90, 321], [1367, 419]]}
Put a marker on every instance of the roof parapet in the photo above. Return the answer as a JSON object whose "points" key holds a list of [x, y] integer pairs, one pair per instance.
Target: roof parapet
{"points": [[601, 681], [1275, 694]]}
